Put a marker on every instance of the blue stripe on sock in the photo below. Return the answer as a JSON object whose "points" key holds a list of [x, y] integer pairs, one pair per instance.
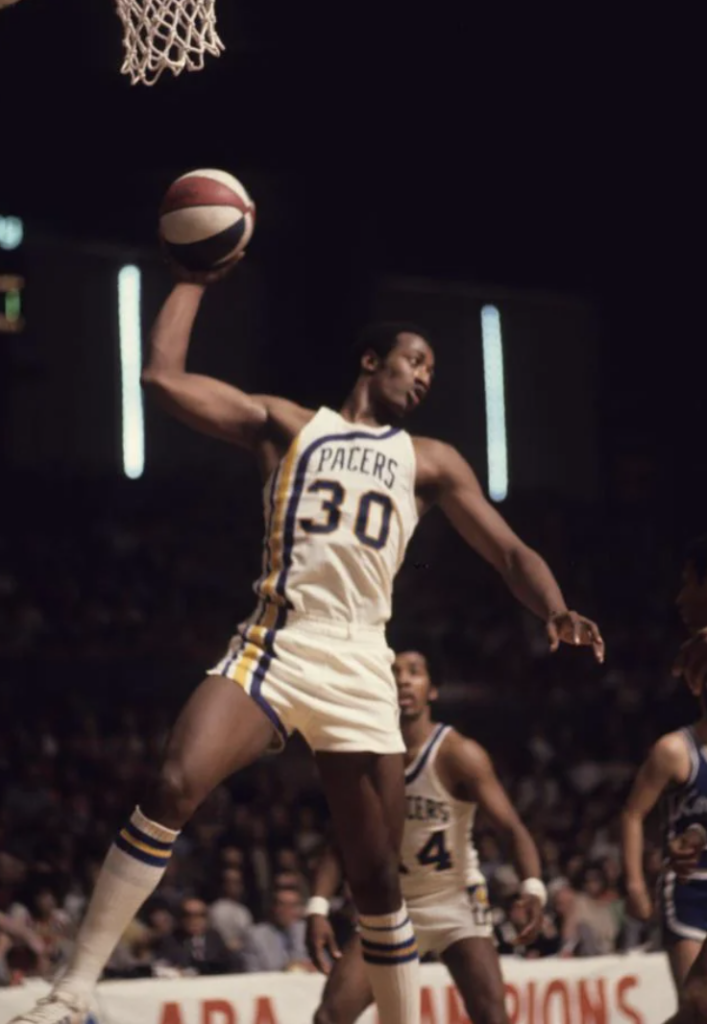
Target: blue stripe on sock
{"points": [[384, 961], [377, 946], [143, 837], [146, 858]]}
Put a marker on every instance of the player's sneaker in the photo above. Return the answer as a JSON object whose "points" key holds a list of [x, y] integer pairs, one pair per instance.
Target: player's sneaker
{"points": [[56, 1008]]}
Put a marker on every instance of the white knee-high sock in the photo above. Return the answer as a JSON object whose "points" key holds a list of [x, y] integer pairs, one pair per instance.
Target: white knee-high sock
{"points": [[131, 872], [392, 965]]}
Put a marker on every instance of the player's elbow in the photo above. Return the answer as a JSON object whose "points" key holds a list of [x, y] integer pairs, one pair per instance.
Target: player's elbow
{"points": [[154, 380]]}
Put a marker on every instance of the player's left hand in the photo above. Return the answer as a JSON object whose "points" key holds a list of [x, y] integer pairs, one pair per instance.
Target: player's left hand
{"points": [[571, 628], [534, 916]]}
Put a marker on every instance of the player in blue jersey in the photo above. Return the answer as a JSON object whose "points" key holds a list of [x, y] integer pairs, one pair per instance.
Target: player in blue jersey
{"points": [[343, 491], [676, 769]]}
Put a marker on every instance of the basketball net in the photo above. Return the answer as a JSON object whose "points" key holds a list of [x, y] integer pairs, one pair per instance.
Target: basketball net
{"points": [[166, 34]]}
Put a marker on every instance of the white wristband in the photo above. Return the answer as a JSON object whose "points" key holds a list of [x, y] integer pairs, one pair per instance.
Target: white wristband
{"points": [[317, 905], [534, 887]]}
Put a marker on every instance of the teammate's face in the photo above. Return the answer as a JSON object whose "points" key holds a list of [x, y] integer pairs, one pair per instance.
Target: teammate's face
{"points": [[401, 381], [692, 598], [415, 689]]}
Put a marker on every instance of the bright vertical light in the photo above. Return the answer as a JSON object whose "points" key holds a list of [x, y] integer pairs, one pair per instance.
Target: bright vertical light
{"points": [[494, 391], [130, 368]]}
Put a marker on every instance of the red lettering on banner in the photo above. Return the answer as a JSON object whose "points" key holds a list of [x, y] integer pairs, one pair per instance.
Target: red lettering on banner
{"points": [[217, 1011], [171, 1014], [427, 1007], [456, 1014], [627, 983], [264, 1013], [512, 1004], [592, 1011], [557, 988], [531, 1003]]}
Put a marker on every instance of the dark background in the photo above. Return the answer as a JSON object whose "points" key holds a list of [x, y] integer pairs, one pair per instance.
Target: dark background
{"points": [[492, 150]]}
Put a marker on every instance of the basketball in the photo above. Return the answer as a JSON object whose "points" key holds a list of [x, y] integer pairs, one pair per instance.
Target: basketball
{"points": [[206, 219]]}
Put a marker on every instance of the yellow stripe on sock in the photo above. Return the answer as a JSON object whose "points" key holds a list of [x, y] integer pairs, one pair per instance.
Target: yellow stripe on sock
{"points": [[163, 854]]}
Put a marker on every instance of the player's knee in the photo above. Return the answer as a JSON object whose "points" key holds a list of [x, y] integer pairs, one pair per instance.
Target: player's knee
{"points": [[376, 886], [693, 1002], [177, 795]]}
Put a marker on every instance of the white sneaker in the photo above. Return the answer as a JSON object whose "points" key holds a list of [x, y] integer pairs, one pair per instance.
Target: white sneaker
{"points": [[55, 1009]]}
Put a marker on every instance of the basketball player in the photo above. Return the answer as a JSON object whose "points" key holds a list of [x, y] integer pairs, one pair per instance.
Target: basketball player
{"points": [[446, 778], [342, 494], [676, 765]]}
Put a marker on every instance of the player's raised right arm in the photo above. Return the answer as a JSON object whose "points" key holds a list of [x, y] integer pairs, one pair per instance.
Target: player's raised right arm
{"points": [[204, 403]]}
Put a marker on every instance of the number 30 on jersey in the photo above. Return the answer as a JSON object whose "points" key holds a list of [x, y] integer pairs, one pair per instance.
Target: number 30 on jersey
{"points": [[370, 529]]}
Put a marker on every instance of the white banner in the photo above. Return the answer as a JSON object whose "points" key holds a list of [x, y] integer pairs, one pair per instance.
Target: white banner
{"points": [[634, 989]]}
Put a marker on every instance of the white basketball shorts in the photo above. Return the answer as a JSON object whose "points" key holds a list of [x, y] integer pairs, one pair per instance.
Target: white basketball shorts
{"points": [[331, 682], [443, 918]]}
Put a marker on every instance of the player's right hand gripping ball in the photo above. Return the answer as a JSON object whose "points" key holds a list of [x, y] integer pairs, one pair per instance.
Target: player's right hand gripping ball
{"points": [[206, 220]]}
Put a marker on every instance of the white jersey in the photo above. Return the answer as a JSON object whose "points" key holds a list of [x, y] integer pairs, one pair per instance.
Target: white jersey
{"points": [[437, 852], [339, 512]]}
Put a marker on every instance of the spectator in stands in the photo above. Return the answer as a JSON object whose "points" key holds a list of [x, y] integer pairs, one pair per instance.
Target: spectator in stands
{"points": [[41, 914], [596, 909], [576, 937], [195, 947], [279, 944], [227, 914]]}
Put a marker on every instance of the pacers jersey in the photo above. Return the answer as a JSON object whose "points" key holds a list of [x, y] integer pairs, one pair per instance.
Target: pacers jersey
{"points": [[437, 851], [339, 512], [687, 804]]}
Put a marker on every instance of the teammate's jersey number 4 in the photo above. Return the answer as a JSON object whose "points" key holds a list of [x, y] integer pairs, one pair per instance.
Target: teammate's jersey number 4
{"points": [[333, 496], [433, 854]]}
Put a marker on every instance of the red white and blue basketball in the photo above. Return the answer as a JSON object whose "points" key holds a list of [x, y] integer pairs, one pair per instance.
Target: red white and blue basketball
{"points": [[206, 219]]}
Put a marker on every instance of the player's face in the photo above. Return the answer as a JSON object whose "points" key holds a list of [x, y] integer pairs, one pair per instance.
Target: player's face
{"points": [[401, 381], [692, 598], [415, 688]]}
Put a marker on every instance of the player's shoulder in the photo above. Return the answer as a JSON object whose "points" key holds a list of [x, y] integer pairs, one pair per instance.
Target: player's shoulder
{"points": [[671, 754], [439, 462], [462, 757]]}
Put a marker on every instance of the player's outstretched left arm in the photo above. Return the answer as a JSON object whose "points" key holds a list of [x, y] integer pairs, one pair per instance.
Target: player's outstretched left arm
{"points": [[475, 780], [446, 479]]}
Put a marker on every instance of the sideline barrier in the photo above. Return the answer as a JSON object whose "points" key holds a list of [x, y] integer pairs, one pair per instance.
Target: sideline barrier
{"points": [[632, 989]]}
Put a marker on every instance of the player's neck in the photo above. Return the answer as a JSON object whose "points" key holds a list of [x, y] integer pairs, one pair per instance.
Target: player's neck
{"points": [[358, 407], [416, 733]]}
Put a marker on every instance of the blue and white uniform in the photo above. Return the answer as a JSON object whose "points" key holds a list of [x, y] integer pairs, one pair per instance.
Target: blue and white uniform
{"points": [[444, 890], [684, 904], [339, 512]]}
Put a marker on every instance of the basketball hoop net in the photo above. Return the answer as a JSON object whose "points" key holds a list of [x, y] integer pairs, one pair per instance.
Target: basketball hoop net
{"points": [[166, 34]]}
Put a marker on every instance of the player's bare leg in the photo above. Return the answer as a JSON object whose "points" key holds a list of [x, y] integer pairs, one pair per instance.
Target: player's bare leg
{"points": [[366, 797], [681, 956], [693, 996], [219, 730], [473, 964], [348, 991]]}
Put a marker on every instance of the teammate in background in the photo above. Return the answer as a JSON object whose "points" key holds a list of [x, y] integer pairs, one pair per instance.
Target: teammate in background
{"points": [[343, 492], [446, 778], [676, 767]]}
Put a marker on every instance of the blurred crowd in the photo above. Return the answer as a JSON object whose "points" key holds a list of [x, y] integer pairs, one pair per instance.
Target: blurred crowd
{"points": [[112, 606]]}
